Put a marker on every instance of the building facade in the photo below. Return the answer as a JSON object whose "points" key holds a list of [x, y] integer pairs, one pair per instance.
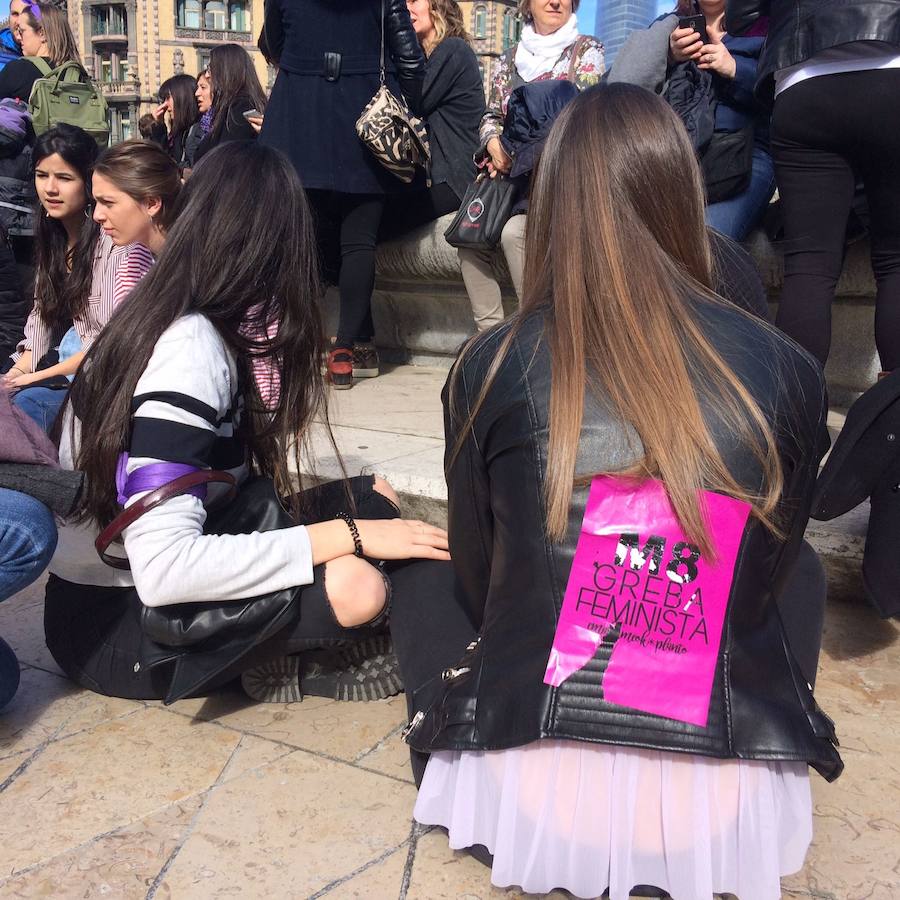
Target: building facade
{"points": [[616, 19], [131, 47], [494, 27]]}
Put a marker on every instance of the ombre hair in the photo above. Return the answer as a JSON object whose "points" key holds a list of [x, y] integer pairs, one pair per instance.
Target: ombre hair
{"points": [[620, 309], [447, 18]]}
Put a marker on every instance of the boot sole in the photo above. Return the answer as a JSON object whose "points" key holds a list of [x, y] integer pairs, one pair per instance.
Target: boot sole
{"points": [[274, 682], [371, 672]]}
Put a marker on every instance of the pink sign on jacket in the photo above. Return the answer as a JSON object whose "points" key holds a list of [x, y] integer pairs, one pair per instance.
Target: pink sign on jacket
{"points": [[638, 583]]}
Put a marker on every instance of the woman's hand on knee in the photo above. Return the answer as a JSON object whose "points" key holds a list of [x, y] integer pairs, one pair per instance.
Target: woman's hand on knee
{"points": [[380, 539], [402, 539], [355, 589]]}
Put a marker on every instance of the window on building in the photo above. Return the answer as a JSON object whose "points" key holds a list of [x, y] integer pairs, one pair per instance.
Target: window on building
{"points": [[215, 15], [510, 29], [125, 127], [238, 19], [108, 20], [203, 58], [480, 21], [189, 13], [110, 67]]}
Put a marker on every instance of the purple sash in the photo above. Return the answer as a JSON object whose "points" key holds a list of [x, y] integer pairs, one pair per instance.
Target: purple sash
{"points": [[151, 477]]}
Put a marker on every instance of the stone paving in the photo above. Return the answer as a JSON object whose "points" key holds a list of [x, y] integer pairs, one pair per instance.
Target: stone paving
{"points": [[221, 798]]}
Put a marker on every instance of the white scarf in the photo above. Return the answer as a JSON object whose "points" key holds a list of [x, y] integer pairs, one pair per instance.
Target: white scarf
{"points": [[537, 53]]}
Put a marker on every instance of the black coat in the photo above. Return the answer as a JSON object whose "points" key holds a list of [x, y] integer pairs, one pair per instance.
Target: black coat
{"points": [[453, 104], [328, 54], [865, 462], [236, 128], [511, 578], [799, 29]]}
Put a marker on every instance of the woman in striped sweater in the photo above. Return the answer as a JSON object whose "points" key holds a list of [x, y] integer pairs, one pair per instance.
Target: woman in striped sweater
{"points": [[169, 382], [81, 274]]}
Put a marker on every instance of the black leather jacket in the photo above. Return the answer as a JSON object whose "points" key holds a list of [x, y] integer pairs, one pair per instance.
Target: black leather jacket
{"points": [[512, 579], [799, 29]]}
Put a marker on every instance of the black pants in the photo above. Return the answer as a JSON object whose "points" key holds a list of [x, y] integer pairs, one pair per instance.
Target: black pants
{"points": [[347, 231], [827, 132], [407, 211], [431, 628], [94, 633]]}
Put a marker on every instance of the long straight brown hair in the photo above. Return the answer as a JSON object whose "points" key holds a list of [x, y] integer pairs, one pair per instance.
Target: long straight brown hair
{"points": [[620, 289]]}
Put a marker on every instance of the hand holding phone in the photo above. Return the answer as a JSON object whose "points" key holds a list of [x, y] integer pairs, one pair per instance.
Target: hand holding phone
{"points": [[252, 114], [685, 42], [695, 23]]}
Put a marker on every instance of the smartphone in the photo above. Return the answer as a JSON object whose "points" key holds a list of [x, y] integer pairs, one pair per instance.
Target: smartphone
{"points": [[697, 23], [256, 114]]}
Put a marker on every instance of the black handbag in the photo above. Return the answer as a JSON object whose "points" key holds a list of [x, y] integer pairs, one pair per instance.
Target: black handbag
{"points": [[256, 507], [727, 164], [485, 209]]}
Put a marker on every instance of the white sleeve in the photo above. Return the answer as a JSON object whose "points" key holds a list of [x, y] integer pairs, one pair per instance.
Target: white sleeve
{"points": [[182, 398]]}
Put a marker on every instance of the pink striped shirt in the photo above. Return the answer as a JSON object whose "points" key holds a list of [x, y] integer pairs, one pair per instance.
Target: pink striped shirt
{"points": [[115, 273]]}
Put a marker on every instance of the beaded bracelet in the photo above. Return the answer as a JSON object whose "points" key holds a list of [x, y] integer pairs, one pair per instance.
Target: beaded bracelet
{"points": [[354, 532]]}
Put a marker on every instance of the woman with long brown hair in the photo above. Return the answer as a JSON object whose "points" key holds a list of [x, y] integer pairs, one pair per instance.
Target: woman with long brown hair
{"points": [[235, 90], [166, 391], [609, 696]]}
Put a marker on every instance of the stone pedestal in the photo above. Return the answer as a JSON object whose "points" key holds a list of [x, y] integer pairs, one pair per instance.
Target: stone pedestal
{"points": [[422, 313]]}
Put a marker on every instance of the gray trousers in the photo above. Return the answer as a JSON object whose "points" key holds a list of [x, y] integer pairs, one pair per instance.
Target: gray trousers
{"points": [[480, 280]]}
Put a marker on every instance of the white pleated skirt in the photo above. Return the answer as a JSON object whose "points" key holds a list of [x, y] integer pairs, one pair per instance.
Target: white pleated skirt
{"points": [[587, 817]]}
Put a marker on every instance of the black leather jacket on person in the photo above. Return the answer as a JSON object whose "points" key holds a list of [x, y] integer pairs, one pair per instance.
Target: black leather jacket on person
{"points": [[799, 29], [512, 579]]}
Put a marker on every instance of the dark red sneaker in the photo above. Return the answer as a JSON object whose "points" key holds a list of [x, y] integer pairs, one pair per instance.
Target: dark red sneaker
{"points": [[340, 369]]}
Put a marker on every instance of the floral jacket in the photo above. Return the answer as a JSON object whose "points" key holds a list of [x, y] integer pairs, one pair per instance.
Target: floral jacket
{"points": [[588, 69]]}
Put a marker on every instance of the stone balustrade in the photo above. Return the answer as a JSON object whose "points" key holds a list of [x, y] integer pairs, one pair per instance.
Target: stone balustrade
{"points": [[422, 313]]}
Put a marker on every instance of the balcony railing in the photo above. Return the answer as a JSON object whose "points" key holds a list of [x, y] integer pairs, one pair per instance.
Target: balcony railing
{"points": [[111, 37], [130, 87], [213, 34]]}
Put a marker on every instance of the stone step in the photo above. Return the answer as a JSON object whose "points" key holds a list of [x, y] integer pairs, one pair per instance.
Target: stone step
{"points": [[393, 426]]}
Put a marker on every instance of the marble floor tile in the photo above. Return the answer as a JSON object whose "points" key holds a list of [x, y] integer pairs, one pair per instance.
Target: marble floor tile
{"points": [[121, 865], [22, 627], [289, 830], [439, 873], [384, 879], [342, 730], [48, 707], [106, 777]]}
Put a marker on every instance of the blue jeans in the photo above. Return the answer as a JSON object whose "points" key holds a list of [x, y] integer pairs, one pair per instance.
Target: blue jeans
{"points": [[41, 404], [27, 542], [736, 217]]}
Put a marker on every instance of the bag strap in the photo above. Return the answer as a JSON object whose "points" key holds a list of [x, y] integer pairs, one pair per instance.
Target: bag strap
{"points": [[382, 43], [580, 43], [150, 501], [41, 65]]}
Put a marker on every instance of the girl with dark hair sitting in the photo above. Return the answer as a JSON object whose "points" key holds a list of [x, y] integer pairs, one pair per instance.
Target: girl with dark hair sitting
{"points": [[235, 90], [609, 693], [175, 116], [168, 384], [80, 273]]}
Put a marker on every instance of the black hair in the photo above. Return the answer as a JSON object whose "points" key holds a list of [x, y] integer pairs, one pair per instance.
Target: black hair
{"points": [[63, 275], [233, 77], [181, 88], [242, 266]]}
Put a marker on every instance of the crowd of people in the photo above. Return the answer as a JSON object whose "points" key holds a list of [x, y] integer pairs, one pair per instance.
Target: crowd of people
{"points": [[609, 656]]}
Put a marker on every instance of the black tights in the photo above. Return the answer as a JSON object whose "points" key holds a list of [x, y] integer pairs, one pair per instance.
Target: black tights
{"points": [[346, 231], [827, 132]]}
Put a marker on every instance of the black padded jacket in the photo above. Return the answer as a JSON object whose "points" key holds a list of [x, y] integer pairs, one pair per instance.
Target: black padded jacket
{"points": [[512, 578], [800, 29]]}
